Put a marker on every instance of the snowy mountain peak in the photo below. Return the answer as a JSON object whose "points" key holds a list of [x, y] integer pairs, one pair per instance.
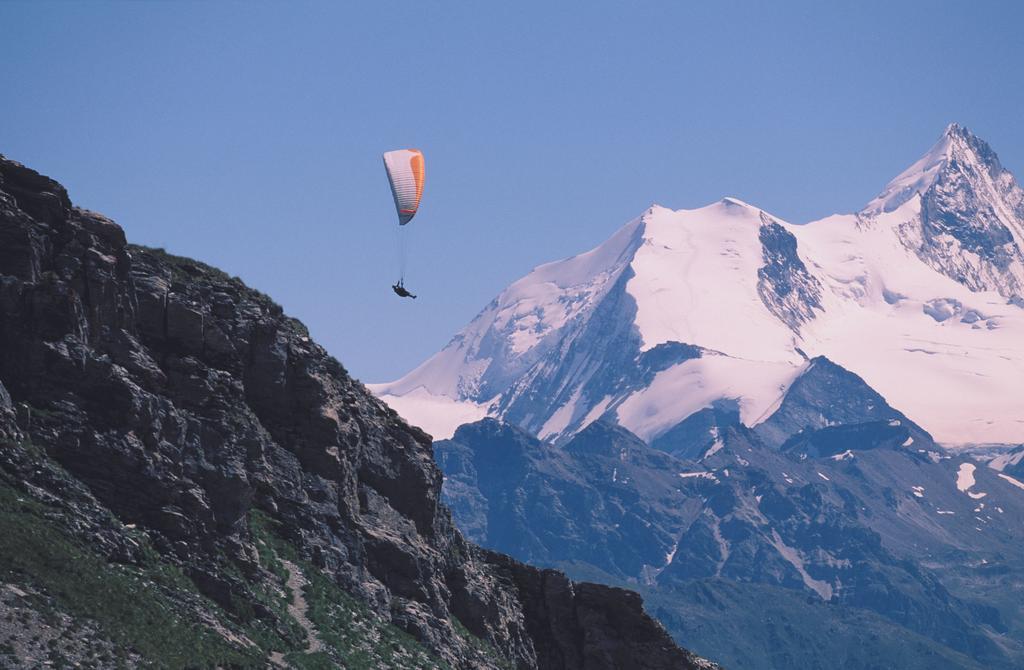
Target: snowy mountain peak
{"points": [[958, 146], [722, 211], [954, 129], [730, 201], [682, 309], [966, 147], [961, 212], [919, 176]]}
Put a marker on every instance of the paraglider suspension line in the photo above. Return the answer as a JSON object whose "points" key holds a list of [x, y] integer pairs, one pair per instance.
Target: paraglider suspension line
{"points": [[401, 235]]}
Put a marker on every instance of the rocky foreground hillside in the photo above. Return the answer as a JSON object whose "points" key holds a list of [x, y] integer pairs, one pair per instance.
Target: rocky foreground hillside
{"points": [[187, 480]]}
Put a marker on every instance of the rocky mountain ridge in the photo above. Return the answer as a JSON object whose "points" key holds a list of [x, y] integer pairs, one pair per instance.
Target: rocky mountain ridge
{"points": [[186, 447]]}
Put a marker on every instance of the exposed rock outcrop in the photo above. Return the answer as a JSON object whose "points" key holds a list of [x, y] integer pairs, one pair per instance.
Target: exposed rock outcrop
{"points": [[174, 398]]}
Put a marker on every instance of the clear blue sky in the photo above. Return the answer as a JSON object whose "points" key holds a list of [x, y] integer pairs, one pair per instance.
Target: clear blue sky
{"points": [[249, 135]]}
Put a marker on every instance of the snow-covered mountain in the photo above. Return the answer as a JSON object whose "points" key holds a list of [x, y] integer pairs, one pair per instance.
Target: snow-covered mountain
{"points": [[920, 294]]}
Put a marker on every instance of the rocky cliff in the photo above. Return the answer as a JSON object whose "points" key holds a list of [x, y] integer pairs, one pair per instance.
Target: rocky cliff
{"points": [[187, 479]]}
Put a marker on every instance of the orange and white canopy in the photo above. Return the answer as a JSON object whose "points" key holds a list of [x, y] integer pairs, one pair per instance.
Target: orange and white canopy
{"points": [[405, 172]]}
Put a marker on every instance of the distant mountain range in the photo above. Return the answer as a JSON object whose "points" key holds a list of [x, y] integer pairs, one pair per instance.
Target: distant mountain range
{"points": [[802, 443], [863, 538]]}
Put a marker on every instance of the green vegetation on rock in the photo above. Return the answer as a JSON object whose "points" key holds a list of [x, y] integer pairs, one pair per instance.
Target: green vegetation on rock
{"points": [[133, 606], [351, 634]]}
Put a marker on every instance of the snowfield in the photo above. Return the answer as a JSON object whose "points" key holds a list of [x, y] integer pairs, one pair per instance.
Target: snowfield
{"points": [[692, 283], [919, 294], [437, 414], [681, 390]]}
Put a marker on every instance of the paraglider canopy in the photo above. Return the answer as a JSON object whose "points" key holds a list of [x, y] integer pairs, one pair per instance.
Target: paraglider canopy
{"points": [[405, 172]]}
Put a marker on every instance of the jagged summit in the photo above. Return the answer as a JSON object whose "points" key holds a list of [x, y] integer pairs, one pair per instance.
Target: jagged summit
{"points": [[956, 149], [731, 302], [917, 178], [962, 213]]}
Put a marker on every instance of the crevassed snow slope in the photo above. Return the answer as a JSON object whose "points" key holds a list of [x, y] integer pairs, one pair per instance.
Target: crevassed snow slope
{"points": [[919, 294], [950, 358]]}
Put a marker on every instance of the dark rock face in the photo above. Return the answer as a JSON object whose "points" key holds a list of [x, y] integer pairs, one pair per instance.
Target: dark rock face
{"points": [[968, 209], [573, 625], [1015, 463], [579, 501], [692, 437], [785, 286], [953, 207], [181, 401], [837, 440], [828, 395]]}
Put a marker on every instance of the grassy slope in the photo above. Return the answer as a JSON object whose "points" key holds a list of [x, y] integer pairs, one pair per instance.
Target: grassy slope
{"points": [[132, 606], [150, 610], [352, 634]]}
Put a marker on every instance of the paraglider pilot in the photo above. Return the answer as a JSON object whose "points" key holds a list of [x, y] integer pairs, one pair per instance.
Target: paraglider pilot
{"points": [[401, 290]]}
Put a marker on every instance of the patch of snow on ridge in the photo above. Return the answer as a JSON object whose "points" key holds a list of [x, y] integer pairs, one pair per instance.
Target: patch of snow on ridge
{"points": [[596, 411], [561, 418], [1003, 461], [1013, 481], [965, 481], [714, 449], [793, 557], [683, 389], [672, 554], [965, 477]]}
